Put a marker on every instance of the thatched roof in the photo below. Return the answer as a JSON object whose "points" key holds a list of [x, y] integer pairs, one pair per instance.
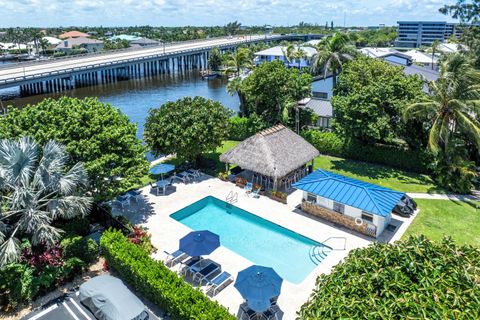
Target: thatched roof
{"points": [[273, 152]]}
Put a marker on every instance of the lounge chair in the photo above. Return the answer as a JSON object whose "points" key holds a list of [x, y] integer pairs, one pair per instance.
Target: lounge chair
{"points": [[175, 257], [194, 172], [248, 187], [211, 268], [187, 265], [182, 176], [135, 194], [217, 284]]}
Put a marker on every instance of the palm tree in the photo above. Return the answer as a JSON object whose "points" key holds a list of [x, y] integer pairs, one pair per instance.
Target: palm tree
{"points": [[239, 60], [299, 55], [289, 53], [435, 45], [35, 190], [235, 86], [331, 54], [453, 106]]}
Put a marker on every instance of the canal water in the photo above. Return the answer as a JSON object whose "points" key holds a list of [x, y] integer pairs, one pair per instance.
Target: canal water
{"points": [[135, 97]]}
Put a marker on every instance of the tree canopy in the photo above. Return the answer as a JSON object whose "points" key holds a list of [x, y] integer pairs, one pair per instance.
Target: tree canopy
{"points": [[187, 127], [411, 279], [272, 90], [95, 133], [369, 100]]}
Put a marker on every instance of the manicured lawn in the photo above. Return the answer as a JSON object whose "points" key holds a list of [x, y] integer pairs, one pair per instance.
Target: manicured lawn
{"points": [[227, 145], [388, 177], [457, 219]]}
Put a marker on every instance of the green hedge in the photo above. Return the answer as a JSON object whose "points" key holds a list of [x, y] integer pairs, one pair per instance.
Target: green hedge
{"points": [[411, 279], [83, 248], [240, 128], [158, 283], [330, 143]]}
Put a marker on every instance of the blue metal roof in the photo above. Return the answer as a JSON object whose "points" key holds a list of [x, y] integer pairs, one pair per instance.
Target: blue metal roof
{"points": [[351, 192]]}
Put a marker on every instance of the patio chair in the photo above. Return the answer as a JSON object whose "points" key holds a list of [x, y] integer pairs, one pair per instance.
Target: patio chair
{"points": [[210, 269], [248, 313], [182, 176], [187, 265], [255, 193], [218, 283], [135, 194], [154, 187], [175, 257], [123, 200]]}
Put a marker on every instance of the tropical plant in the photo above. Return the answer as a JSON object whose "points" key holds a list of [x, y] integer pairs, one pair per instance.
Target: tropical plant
{"points": [[331, 54], [239, 60], [93, 132], [36, 189], [232, 28], [215, 59], [453, 105], [187, 127], [235, 86], [411, 279]]}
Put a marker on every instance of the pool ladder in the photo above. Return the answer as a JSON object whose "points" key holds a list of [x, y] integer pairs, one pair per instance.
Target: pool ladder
{"points": [[231, 198]]}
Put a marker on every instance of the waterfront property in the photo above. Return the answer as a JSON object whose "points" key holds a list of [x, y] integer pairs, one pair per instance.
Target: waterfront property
{"points": [[91, 45], [358, 205], [279, 53], [322, 108], [73, 34], [274, 158]]}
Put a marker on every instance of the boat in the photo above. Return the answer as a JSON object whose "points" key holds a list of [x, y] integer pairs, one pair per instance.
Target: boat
{"points": [[208, 75]]}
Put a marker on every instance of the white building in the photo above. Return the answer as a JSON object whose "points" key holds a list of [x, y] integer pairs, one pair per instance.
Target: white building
{"points": [[451, 47], [387, 54], [279, 53], [91, 45], [358, 205], [420, 58]]}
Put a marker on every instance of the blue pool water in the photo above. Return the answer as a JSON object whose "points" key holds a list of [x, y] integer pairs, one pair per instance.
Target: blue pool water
{"points": [[256, 239]]}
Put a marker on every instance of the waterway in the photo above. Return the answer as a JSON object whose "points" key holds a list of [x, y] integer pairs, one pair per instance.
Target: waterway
{"points": [[135, 97]]}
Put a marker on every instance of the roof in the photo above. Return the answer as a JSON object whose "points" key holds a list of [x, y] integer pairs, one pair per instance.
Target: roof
{"points": [[70, 42], [351, 192], [144, 41], [420, 57], [321, 107], [451, 47], [374, 52], [278, 51], [127, 37], [425, 72], [273, 152], [52, 40], [72, 34]]}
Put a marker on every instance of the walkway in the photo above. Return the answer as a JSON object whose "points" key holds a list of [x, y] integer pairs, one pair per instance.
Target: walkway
{"points": [[444, 196]]}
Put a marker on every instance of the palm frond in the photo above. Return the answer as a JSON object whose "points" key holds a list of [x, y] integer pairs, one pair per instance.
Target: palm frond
{"points": [[9, 252], [469, 126], [434, 135]]}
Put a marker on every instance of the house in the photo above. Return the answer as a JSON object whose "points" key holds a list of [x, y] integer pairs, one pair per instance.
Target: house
{"points": [[144, 42], [420, 58], [126, 37], [91, 45], [73, 34], [322, 108], [278, 53], [451, 47], [322, 87], [358, 205], [387, 54]]}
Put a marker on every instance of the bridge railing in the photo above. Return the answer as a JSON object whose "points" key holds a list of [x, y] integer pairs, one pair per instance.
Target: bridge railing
{"points": [[104, 53]]}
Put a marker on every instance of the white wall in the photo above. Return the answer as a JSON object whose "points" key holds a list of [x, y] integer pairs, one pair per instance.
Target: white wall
{"points": [[380, 222]]}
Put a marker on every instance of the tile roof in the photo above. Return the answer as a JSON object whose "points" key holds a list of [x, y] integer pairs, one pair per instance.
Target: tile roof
{"points": [[72, 34], [352, 192]]}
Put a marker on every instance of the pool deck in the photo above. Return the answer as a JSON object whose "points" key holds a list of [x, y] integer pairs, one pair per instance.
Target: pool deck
{"points": [[154, 214]]}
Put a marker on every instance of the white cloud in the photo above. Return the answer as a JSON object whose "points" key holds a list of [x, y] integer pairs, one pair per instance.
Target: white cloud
{"points": [[214, 12]]}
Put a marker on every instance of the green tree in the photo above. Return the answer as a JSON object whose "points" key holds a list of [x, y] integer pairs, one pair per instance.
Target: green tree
{"points": [[239, 60], [95, 133], [187, 127], [331, 54], [215, 59], [272, 91], [465, 10], [232, 28], [369, 100], [36, 188], [235, 86]]}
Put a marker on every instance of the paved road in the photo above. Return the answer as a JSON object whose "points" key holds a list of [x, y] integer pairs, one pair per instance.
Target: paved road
{"points": [[84, 61]]}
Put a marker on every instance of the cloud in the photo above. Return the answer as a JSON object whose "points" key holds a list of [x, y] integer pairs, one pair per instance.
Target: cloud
{"points": [[214, 12]]}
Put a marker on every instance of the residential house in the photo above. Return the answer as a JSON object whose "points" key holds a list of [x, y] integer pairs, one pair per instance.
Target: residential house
{"points": [[278, 53], [387, 54], [91, 45], [73, 34], [358, 205], [322, 108], [422, 59]]}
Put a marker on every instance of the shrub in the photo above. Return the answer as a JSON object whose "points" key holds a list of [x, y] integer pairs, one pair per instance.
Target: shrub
{"points": [[79, 226], [16, 285], [240, 128], [156, 282], [85, 249], [142, 238], [325, 142], [410, 279]]}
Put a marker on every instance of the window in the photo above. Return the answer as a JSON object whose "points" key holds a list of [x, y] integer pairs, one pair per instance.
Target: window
{"points": [[338, 207], [311, 198], [367, 216]]}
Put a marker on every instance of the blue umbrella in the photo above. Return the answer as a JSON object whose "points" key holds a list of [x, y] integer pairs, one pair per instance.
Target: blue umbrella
{"points": [[258, 285], [199, 243], [162, 168]]}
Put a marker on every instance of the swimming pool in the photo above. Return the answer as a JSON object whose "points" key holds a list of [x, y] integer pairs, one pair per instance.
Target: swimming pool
{"points": [[254, 238]]}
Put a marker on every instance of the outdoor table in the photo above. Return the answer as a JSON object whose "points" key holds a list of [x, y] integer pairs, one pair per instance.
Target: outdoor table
{"points": [[162, 184]]}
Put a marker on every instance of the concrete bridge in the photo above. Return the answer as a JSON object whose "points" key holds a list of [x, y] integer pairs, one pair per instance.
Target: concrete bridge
{"points": [[62, 74]]}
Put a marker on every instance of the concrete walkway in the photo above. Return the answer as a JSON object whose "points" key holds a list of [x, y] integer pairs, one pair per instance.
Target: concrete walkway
{"points": [[444, 196]]}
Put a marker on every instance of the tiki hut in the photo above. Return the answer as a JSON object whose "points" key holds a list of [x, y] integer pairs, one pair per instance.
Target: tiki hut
{"points": [[277, 152]]}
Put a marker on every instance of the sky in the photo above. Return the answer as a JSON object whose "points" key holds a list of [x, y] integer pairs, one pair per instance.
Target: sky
{"points": [[51, 13]]}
